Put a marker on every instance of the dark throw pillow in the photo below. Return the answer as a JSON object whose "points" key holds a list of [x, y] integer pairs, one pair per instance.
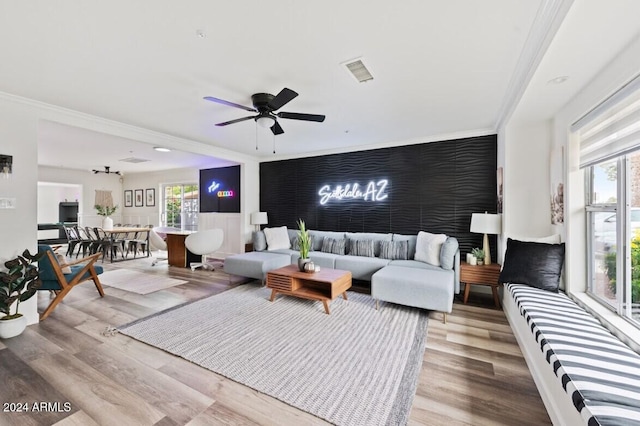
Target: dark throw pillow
{"points": [[330, 245], [535, 264], [362, 248], [394, 250]]}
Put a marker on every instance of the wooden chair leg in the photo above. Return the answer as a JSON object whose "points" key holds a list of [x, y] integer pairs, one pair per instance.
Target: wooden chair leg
{"points": [[97, 283], [59, 296]]}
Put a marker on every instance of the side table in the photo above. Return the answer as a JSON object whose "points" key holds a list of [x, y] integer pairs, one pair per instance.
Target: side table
{"points": [[480, 275]]}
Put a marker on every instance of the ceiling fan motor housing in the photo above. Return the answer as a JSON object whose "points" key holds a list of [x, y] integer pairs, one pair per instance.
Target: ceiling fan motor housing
{"points": [[261, 102]]}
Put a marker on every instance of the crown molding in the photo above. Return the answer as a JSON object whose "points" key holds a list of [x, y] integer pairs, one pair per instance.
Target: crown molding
{"points": [[75, 118], [550, 16]]}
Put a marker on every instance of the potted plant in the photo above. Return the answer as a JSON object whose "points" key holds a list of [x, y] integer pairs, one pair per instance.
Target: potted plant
{"points": [[18, 284], [304, 240], [106, 211], [478, 253]]}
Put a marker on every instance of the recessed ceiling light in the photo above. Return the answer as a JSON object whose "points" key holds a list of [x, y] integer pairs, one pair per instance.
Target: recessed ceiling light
{"points": [[161, 149], [558, 80]]}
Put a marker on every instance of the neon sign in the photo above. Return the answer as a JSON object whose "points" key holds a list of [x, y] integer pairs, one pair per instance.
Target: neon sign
{"points": [[372, 191], [221, 194]]}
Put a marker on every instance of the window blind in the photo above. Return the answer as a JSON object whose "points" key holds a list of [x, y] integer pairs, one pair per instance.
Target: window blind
{"points": [[612, 128]]}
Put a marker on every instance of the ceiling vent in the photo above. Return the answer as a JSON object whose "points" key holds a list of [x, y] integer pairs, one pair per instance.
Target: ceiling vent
{"points": [[133, 160], [358, 70]]}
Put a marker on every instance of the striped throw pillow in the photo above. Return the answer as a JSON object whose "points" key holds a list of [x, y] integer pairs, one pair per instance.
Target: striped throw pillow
{"points": [[394, 250]]}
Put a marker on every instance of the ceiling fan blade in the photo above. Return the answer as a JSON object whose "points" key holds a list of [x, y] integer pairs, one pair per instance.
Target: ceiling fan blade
{"points": [[231, 104], [285, 96], [276, 129], [237, 120], [300, 116]]}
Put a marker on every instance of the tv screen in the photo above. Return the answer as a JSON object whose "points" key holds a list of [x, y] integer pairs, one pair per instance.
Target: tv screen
{"points": [[220, 190]]}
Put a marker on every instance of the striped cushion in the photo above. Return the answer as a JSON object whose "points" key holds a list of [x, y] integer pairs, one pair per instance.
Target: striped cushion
{"points": [[331, 245], [601, 373], [362, 248]]}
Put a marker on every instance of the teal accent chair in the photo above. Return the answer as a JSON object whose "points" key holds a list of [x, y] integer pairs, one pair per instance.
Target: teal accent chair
{"points": [[61, 278]]}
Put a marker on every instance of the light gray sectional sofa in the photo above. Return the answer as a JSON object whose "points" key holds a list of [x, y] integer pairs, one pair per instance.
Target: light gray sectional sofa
{"points": [[395, 276]]}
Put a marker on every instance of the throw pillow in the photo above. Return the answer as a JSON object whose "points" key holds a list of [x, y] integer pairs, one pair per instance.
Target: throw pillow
{"points": [[277, 238], [428, 247], [535, 264], [331, 245], [259, 241], [61, 260], [394, 250], [448, 253], [362, 248]]}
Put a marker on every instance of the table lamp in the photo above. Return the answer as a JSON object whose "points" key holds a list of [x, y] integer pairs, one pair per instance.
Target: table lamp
{"points": [[485, 223], [259, 218]]}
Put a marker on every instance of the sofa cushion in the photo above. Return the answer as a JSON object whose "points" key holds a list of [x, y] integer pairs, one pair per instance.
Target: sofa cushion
{"points": [[324, 260], [277, 238], [411, 240], [362, 248], [361, 267], [331, 245], [422, 288], [259, 241], [318, 237], [428, 247], [448, 253], [393, 250], [535, 264], [255, 264]]}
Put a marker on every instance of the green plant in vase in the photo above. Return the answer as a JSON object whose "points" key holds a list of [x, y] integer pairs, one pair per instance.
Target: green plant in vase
{"points": [[304, 240], [19, 283], [478, 253]]}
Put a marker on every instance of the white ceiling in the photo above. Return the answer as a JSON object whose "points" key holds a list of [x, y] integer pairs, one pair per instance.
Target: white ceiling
{"points": [[439, 67]]}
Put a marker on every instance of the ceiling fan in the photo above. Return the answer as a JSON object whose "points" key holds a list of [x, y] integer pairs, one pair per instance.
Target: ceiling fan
{"points": [[265, 104], [107, 170]]}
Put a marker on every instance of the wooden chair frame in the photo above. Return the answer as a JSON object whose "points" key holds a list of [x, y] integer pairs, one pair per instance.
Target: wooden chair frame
{"points": [[79, 278]]}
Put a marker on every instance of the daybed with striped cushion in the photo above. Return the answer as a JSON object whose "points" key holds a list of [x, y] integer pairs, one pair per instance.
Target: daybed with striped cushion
{"points": [[585, 375]]}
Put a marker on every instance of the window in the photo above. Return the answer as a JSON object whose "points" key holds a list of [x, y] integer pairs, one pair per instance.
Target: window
{"points": [[609, 138], [180, 206]]}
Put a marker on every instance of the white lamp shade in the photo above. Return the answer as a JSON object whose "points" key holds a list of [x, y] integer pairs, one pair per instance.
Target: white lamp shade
{"points": [[259, 218], [486, 223]]}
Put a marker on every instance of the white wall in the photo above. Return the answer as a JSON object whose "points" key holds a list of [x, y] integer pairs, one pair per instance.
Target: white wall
{"points": [[526, 179], [18, 227]]}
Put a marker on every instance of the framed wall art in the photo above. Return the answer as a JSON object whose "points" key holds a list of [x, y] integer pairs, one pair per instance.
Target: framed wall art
{"points": [[128, 198], [139, 198], [151, 197]]}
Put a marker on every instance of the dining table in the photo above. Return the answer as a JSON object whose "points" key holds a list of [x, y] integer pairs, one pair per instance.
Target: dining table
{"points": [[121, 232]]}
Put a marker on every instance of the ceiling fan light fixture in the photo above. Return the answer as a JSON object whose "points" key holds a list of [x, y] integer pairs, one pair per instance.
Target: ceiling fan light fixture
{"points": [[266, 121]]}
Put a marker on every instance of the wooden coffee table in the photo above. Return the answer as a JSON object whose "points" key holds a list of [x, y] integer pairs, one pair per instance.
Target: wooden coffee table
{"points": [[324, 286]]}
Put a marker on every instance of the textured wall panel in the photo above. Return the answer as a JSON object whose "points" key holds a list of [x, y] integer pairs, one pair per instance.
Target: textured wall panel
{"points": [[433, 187]]}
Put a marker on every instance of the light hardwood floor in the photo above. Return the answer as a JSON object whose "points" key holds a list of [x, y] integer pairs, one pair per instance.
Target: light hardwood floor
{"points": [[473, 372]]}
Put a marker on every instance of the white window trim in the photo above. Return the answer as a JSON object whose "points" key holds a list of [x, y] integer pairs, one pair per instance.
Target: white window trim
{"points": [[619, 326]]}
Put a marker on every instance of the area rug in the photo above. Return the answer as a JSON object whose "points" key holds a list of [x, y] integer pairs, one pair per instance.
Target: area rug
{"points": [[356, 366], [137, 282]]}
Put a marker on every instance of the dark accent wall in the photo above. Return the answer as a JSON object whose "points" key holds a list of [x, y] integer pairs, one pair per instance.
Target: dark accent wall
{"points": [[434, 187]]}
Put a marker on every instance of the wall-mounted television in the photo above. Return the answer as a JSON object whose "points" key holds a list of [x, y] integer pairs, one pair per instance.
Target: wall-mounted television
{"points": [[220, 190]]}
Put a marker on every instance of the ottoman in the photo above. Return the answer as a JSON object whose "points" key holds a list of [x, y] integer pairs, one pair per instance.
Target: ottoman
{"points": [[255, 264], [421, 288]]}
